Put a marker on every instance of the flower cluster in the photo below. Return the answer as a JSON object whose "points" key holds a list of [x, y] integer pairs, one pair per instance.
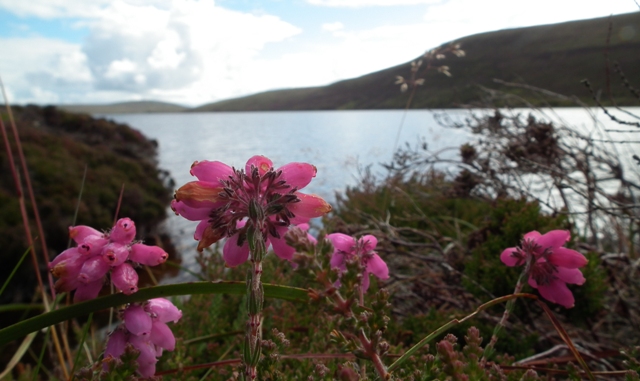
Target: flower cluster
{"points": [[549, 265], [230, 203], [347, 249], [84, 268], [145, 328]]}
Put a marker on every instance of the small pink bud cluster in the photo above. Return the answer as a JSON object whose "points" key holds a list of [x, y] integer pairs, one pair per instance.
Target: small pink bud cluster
{"points": [[347, 248], [84, 268], [145, 328]]}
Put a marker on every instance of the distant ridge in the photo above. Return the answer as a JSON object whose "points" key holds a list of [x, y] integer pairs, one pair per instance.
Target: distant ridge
{"points": [[125, 108], [554, 57]]}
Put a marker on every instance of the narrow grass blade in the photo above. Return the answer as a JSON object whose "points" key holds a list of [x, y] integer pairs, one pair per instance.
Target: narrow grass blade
{"points": [[13, 272], [26, 343]]}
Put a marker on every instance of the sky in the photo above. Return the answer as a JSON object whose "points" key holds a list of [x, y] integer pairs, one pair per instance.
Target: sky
{"points": [[193, 52]]}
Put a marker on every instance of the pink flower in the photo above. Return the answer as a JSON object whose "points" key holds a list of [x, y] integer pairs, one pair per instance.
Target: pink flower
{"points": [[346, 249], [84, 268], [550, 266], [228, 202], [144, 327]]}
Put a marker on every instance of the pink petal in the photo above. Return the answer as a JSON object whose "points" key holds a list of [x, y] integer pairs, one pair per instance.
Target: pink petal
{"points": [[233, 254], [80, 232], [162, 336], [88, 291], [137, 320], [163, 310], [557, 292], [211, 171], [147, 359], [202, 225], [377, 267], [533, 235], [369, 242], [261, 162], [69, 267], [571, 259], [298, 175], [124, 231], [67, 284], [191, 214], [148, 255], [280, 247], [310, 206], [573, 276], [507, 258], [365, 281], [125, 278], [342, 242], [338, 261], [553, 239]]}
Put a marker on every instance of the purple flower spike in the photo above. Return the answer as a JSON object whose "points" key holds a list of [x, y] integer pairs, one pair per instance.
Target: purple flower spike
{"points": [[98, 254], [137, 320], [230, 202], [148, 255], [550, 265], [145, 331], [346, 248]]}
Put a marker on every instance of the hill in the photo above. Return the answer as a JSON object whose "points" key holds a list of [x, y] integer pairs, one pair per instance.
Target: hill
{"points": [[124, 108], [554, 57]]}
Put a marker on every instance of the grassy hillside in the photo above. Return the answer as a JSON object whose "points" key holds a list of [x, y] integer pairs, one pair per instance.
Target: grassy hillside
{"points": [[124, 108], [555, 57]]}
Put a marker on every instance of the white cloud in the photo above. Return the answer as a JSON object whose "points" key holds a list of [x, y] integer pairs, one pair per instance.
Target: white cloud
{"points": [[368, 3], [333, 27]]}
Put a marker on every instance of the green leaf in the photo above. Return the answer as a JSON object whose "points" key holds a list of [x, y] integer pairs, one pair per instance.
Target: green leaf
{"points": [[36, 323]]}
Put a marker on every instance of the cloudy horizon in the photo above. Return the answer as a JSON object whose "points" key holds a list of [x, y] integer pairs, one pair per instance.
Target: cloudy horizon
{"points": [[192, 52]]}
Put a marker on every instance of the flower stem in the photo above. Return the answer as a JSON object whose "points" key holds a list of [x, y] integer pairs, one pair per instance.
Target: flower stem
{"points": [[489, 349], [255, 299]]}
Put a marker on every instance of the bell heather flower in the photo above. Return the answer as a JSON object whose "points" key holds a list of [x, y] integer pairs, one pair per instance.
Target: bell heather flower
{"points": [[346, 248], [145, 328], [227, 202], [84, 268], [549, 265]]}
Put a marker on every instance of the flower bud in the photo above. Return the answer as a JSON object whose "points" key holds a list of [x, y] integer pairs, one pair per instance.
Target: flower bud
{"points": [[123, 232], [88, 291], [65, 255], [115, 254], [93, 269], [137, 320], [125, 278], [162, 336], [163, 310], [116, 344], [148, 255], [81, 232]]}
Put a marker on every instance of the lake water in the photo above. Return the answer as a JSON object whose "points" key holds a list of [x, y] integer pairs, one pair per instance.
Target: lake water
{"points": [[338, 143]]}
